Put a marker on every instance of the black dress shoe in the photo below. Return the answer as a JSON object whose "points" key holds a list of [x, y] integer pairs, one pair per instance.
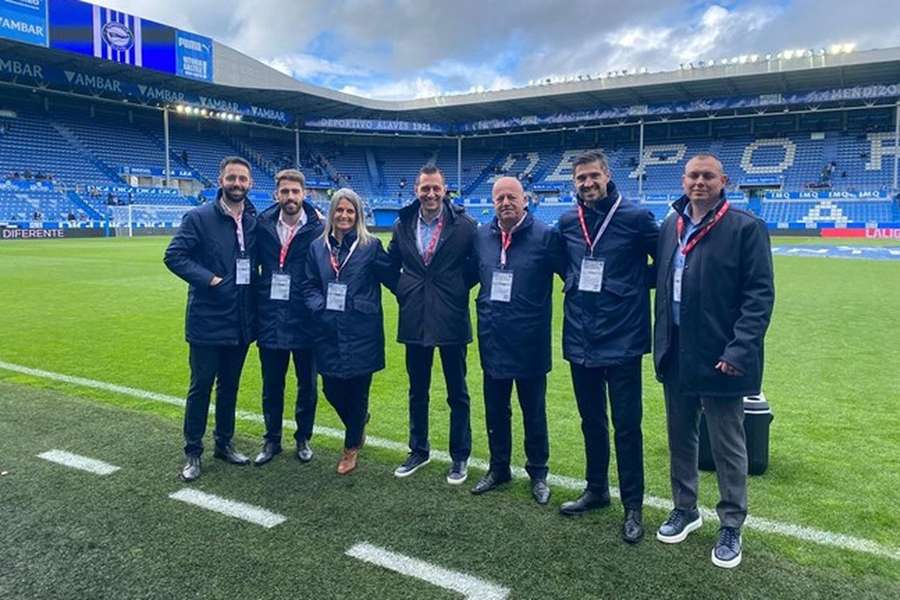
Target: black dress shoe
{"points": [[230, 455], [268, 452], [540, 491], [304, 452], [191, 469], [633, 527], [490, 481], [589, 500]]}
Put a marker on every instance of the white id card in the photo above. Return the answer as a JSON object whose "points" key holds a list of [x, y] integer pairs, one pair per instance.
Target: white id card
{"points": [[501, 286], [281, 287], [676, 285], [242, 272], [337, 297], [591, 278]]}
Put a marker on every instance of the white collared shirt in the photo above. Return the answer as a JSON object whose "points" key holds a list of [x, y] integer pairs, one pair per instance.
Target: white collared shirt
{"points": [[284, 230]]}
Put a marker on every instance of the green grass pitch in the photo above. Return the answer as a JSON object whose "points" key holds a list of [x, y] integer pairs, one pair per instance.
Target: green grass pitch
{"points": [[108, 310]]}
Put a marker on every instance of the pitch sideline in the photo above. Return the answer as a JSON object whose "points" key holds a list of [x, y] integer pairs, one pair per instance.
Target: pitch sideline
{"points": [[799, 532]]}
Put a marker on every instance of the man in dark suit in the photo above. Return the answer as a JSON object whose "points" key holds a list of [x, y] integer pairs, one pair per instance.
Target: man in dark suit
{"points": [[433, 248], [714, 299], [214, 251], [286, 328], [608, 241]]}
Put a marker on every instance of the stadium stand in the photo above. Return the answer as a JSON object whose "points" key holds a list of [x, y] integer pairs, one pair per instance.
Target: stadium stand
{"points": [[837, 178]]}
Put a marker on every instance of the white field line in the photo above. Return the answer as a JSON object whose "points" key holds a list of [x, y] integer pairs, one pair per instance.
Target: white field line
{"points": [[471, 587], [76, 461], [807, 534], [231, 508]]}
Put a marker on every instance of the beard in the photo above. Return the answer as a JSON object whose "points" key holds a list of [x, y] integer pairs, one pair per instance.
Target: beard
{"points": [[235, 194]]}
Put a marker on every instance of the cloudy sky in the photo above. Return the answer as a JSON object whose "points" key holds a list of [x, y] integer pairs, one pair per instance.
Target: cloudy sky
{"points": [[405, 49]]}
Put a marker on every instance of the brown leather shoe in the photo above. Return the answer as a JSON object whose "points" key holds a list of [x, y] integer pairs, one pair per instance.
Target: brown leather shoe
{"points": [[348, 461]]}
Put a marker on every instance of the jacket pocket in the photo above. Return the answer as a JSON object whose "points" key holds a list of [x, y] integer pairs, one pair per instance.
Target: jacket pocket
{"points": [[617, 288], [366, 307]]}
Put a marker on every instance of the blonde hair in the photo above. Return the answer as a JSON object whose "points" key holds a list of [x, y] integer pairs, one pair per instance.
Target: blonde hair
{"points": [[362, 232]]}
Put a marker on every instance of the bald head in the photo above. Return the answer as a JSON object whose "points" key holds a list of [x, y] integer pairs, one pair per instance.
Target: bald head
{"points": [[509, 201], [507, 183]]}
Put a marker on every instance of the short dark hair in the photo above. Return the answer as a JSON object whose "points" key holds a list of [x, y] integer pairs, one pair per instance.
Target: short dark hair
{"points": [[591, 156], [290, 175], [234, 160], [429, 170]]}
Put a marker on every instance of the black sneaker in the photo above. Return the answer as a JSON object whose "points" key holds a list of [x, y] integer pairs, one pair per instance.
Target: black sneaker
{"points": [[413, 463], [727, 553], [679, 524], [457, 473]]}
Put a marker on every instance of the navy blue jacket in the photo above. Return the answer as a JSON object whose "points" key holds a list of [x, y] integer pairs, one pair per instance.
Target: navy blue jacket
{"points": [[728, 293], [612, 326], [206, 245], [434, 299], [350, 343], [284, 325], [514, 337]]}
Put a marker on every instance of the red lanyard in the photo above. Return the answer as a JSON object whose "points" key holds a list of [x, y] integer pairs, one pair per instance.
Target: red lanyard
{"points": [[679, 229], [506, 240], [332, 256], [435, 237], [286, 244], [602, 230]]}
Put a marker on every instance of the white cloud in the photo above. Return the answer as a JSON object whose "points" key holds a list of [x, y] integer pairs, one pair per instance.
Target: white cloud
{"points": [[403, 89], [305, 66], [405, 49]]}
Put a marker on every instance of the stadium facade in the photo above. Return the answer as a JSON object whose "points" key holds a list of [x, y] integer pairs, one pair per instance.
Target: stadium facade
{"points": [[107, 118]]}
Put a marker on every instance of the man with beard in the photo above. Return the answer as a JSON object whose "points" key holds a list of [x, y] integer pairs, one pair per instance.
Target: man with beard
{"points": [[283, 235], [606, 331], [433, 248], [214, 252]]}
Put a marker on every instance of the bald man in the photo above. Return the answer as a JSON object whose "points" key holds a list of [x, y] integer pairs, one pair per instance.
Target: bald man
{"points": [[517, 257]]}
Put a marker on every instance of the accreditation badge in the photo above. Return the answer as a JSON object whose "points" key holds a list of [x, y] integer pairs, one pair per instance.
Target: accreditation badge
{"points": [[676, 285], [242, 271], [337, 297], [281, 287], [501, 286], [591, 278]]}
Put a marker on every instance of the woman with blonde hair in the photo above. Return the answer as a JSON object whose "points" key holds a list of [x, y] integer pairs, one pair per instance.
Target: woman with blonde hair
{"points": [[345, 269]]}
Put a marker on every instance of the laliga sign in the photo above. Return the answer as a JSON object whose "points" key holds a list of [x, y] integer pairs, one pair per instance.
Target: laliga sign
{"points": [[118, 36]]}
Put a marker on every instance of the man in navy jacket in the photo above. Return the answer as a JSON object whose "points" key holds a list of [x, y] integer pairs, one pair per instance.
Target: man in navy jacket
{"points": [[517, 257], [606, 331], [214, 251], [284, 233], [714, 298], [432, 247]]}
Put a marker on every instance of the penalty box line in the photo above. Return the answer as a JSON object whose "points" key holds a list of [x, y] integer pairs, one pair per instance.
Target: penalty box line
{"points": [[799, 532]]}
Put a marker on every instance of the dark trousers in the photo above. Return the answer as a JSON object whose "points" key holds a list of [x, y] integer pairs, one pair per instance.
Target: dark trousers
{"points": [[418, 367], [532, 394], [623, 382], [350, 399], [274, 364], [221, 365], [725, 421]]}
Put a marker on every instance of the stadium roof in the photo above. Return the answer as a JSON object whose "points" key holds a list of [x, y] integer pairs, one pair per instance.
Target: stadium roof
{"points": [[242, 78], [773, 76]]}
